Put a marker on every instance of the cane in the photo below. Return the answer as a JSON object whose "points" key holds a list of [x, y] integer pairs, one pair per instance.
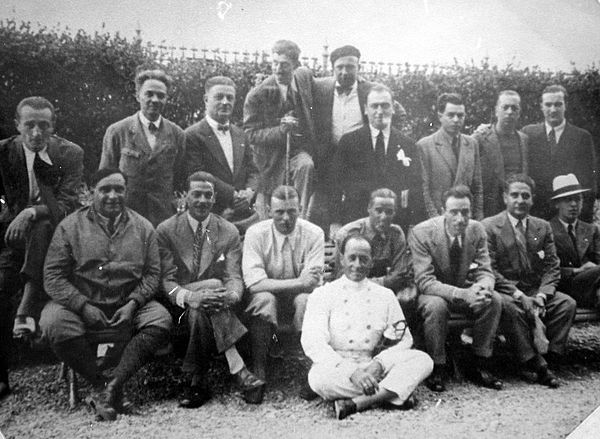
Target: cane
{"points": [[288, 139]]}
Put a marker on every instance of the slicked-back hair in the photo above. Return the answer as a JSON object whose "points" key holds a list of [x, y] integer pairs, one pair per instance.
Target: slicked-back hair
{"points": [[448, 98], [380, 88], [519, 178], [507, 93], [556, 88], [202, 176], [37, 103], [285, 193], [287, 48], [458, 191], [218, 80], [356, 236], [382, 193], [144, 75], [343, 51], [103, 173]]}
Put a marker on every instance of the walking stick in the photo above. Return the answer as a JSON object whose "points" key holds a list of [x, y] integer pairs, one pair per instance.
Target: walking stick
{"points": [[288, 139]]}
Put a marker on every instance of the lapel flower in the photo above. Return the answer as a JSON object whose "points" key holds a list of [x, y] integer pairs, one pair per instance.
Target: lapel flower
{"points": [[473, 266], [401, 157], [221, 258], [541, 254]]}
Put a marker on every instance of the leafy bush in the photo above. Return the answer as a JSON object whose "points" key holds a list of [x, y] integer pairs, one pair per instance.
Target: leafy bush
{"points": [[89, 78]]}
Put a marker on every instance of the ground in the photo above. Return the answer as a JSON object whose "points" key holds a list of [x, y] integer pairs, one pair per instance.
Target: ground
{"points": [[38, 407]]}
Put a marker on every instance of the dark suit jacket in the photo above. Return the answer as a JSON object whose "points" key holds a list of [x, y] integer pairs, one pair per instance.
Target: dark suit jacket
{"points": [[545, 273], [203, 152], [357, 174], [323, 94], [221, 254], [430, 248], [152, 175], [263, 111], [441, 171], [57, 201], [588, 246], [492, 168], [575, 154]]}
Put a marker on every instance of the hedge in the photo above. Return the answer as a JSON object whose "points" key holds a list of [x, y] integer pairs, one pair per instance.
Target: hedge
{"points": [[89, 79]]}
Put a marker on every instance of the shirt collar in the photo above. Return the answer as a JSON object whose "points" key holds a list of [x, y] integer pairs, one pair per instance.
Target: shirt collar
{"points": [[566, 225], [43, 154], [213, 123], [557, 130], [375, 132], [353, 89], [451, 237], [146, 122], [280, 237], [514, 221], [95, 216], [447, 138], [344, 281], [193, 222]]}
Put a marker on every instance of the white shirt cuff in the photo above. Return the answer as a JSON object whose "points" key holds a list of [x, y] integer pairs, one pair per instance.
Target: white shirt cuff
{"points": [[180, 298]]}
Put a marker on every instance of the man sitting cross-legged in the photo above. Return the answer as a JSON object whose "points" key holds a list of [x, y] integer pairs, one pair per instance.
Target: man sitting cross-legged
{"points": [[355, 333], [102, 272], [200, 253]]}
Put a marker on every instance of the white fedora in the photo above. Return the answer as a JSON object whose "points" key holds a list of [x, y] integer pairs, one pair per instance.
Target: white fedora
{"points": [[566, 185]]}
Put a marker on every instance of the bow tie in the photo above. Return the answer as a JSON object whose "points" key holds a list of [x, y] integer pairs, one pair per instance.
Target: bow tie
{"points": [[152, 128], [223, 128], [343, 90]]}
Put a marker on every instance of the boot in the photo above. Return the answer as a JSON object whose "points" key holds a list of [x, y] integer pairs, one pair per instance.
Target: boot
{"points": [[78, 355], [260, 333]]}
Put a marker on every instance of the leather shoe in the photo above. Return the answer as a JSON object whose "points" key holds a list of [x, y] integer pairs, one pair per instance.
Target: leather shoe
{"points": [[547, 378], [100, 404], [194, 397], [437, 379], [485, 378], [247, 380], [254, 396], [410, 403], [344, 408]]}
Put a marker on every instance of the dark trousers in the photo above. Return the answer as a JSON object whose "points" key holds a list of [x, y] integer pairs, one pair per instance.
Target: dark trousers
{"points": [[434, 313], [584, 288]]}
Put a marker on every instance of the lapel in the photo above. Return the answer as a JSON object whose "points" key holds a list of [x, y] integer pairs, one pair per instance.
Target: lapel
{"points": [[563, 240], [237, 143], [465, 160], [365, 145], [534, 234], [363, 88], [445, 151], [184, 237], [210, 238], [213, 145], [493, 149], [584, 235], [566, 137], [508, 238], [468, 254], [523, 141], [137, 138], [440, 242], [272, 94], [162, 138], [18, 170]]}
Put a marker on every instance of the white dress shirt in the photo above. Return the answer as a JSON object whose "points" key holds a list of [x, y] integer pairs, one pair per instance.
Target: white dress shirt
{"points": [[150, 137], [346, 115], [34, 190], [557, 130], [224, 138], [386, 136]]}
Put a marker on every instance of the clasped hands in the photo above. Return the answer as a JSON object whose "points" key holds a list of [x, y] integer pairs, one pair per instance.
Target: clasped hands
{"points": [[211, 300], [532, 306], [242, 200], [289, 124], [311, 277], [477, 297], [95, 317], [368, 378]]}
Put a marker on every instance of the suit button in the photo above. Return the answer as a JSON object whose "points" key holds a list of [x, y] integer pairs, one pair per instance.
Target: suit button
{"points": [[368, 326], [350, 341]]}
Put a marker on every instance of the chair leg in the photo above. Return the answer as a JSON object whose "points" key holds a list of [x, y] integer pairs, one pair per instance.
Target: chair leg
{"points": [[73, 388], [62, 373]]}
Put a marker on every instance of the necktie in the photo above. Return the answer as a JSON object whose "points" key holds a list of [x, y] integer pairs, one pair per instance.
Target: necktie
{"points": [[456, 147], [152, 128], [573, 240], [287, 256], [342, 91], [522, 245], [44, 172], [380, 150], [111, 226], [198, 241], [455, 256], [552, 141], [223, 127], [288, 105]]}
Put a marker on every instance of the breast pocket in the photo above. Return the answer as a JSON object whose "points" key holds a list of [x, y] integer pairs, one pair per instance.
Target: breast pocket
{"points": [[131, 162]]}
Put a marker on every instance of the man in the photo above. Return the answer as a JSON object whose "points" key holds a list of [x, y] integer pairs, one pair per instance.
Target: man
{"points": [[526, 267], [377, 155], [200, 254], [102, 273], [577, 243], [339, 108], [282, 264], [449, 158], [503, 150], [148, 149], [217, 146], [355, 333], [40, 174], [453, 274], [391, 263], [276, 110], [558, 148]]}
